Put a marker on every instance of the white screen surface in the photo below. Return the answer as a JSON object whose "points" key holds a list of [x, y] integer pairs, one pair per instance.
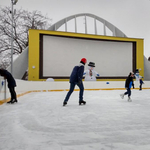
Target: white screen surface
{"points": [[61, 54]]}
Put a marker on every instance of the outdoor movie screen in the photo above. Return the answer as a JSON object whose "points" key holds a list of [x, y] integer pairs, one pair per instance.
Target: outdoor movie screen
{"points": [[59, 54]]}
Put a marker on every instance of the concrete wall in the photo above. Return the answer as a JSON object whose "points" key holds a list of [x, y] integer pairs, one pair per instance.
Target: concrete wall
{"points": [[1, 79], [58, 52], [20, 65], [146, 69]]}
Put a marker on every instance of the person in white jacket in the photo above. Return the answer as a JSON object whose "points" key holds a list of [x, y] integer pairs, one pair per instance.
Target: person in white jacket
{"points": [[90, 74]]}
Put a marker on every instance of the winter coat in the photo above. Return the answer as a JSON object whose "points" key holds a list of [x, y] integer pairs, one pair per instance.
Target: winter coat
{"points": [[77, 74], [129, 82], [141, 81], [139, 78], [11, 81]]}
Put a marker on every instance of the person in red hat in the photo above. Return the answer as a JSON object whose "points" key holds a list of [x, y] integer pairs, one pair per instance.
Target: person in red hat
{"points": [[76, 79]]}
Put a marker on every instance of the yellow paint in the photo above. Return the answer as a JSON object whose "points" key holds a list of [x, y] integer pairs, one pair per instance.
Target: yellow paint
{"points": [[140, 57], [34, 49], [7, 100]]}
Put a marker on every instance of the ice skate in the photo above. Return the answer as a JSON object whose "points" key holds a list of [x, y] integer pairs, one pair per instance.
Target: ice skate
{"points": [[129, 99], [122, 96], [14, 101], [9, 102], [64, 103], [82, 102]]}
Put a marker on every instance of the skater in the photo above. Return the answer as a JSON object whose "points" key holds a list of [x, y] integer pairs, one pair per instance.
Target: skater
{"points": [[76, 79], [139, 78], [90, 73], [141, 83], [11, 84], [128, 85]]}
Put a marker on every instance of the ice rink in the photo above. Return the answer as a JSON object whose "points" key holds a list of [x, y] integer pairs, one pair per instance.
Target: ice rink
{"points": [[107, 122]]}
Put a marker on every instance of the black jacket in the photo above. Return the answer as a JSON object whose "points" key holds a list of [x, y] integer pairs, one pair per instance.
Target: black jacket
{"points": [[129, 81], [11, 81]]}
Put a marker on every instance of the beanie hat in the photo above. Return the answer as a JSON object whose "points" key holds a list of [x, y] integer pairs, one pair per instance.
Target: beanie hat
{"points": [[137, 71], [83, 60]]}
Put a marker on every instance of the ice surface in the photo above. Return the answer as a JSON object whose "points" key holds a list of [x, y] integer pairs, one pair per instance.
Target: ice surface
{"points": [[107, 122]]}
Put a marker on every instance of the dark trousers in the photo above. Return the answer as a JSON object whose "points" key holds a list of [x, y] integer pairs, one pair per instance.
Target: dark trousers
{"points": [[141, 82], [12, 93], [72, 86], [140, 87], [128, 92]]}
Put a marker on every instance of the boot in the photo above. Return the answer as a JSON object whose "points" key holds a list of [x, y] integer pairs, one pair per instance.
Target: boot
{"points": [[9, 102], [64, 103], [129, 99], [82, 102], [122, 96], [140, 87], [14, 101]]}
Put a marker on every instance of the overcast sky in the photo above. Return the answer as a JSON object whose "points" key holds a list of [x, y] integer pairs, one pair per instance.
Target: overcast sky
{"points": [[132, 17]]}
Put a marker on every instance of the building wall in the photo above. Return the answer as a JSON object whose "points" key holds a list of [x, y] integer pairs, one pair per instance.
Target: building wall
{"points": [[146, 69], [53, 54]]}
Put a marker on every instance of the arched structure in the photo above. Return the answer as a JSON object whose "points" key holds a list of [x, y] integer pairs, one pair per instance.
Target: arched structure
{"points": [[21, 63], [115, 31]]}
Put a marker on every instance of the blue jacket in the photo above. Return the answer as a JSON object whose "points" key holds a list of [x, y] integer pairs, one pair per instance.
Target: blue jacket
{"points": [[141, 81], [77, 74]]}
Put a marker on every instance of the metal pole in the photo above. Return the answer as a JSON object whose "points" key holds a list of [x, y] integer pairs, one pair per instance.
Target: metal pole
{"points": [[75, 25], [85, 25], [65, 25], [95, 26], [5, 90], [12, 17], [104, 28]]}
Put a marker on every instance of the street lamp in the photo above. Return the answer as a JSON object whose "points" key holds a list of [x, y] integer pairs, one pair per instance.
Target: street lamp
{"points": [[13, 2]]}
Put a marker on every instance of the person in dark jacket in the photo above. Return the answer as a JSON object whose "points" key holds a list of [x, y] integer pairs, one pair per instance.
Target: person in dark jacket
{"points": [[128, 84], [76, 79], [139, 78], [11, 84]]}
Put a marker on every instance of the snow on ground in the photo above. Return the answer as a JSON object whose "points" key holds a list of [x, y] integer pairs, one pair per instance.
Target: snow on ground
{"points": [[107, 122]]}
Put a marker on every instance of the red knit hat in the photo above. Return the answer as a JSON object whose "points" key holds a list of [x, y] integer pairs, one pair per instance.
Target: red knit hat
{"points": [[84, 60]]}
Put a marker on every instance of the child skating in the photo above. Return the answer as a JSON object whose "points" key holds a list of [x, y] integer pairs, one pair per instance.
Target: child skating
{"points": [[128, 85], [139, 78]]}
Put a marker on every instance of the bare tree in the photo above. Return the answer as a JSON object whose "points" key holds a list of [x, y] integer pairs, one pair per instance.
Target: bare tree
{"points": [[23, 21]]}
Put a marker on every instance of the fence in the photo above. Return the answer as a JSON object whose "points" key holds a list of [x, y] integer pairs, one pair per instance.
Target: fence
{"points": [[3, 91], [24, 87]]}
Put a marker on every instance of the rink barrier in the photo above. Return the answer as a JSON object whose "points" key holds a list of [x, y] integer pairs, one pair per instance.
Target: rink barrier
{"points": [[26, 87], [18, 95]]}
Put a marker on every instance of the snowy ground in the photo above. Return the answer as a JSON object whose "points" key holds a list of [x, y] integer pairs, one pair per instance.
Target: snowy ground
{"points": [[40, 122]]}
